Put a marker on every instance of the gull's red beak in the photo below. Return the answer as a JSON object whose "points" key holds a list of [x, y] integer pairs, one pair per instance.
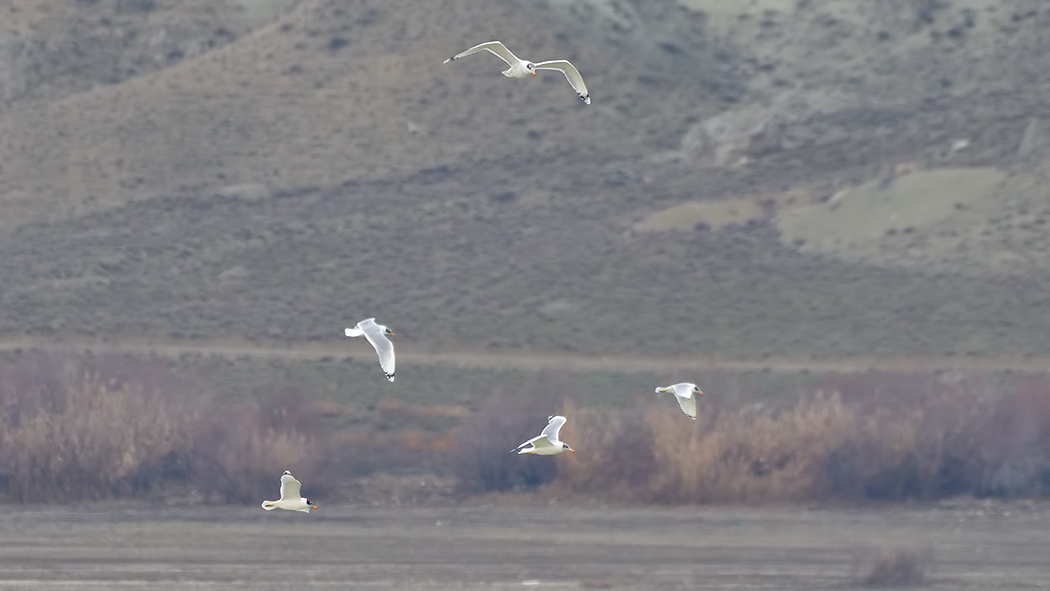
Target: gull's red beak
{"points": [[534, 73], [315, 507]]}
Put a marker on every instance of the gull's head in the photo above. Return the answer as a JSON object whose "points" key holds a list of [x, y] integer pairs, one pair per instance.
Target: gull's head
{"points": [[696, 390], [531, 67], [565, 447], [388, 332], [311, 505], [287, 472]]}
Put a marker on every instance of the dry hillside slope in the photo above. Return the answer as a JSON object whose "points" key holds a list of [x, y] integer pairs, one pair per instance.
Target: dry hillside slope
{"points": [[326, 167], [330, 92], [54, 48]]}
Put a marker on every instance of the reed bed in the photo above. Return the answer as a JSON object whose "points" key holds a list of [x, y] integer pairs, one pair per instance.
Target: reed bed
{"points": [[922, 438]]}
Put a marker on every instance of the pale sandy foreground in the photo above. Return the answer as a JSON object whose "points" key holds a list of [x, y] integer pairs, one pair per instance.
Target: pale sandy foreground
{"points": [[975, 546]]}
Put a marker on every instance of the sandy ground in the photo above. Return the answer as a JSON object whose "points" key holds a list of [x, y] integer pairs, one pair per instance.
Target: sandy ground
{"points": [[974, 546]]}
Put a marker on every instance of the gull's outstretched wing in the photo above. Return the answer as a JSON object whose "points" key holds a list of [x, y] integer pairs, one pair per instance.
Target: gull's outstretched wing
{"points": [[290, 487], [571, 74], [553, 427], [496, 48], [688, 406], [529, 442], [384, 348], [686, 400], [538, 442]]}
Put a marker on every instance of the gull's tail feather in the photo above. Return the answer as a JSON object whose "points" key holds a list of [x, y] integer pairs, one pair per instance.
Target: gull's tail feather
{"points": [[269, 505], [353, 332]]}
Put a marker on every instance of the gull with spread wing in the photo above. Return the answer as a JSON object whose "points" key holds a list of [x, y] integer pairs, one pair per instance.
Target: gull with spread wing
{"points": [[546, 443], [685, 393], [520, 68], [377, 335], [290, 499]]}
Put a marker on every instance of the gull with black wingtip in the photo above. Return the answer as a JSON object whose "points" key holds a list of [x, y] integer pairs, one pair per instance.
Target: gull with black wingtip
{"points": [[546, 443], [520, 68], [290, 497], [377, 335]]}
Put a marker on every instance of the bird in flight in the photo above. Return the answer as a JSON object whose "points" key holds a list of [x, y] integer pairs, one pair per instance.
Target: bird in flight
{"points": [[377, 335], [546, 443], [520, 68], [686, 395], [290, 499]]}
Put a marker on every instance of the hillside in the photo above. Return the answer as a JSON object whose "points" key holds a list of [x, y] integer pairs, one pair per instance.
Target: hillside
{"points": [[55, 48], [324, 166]]}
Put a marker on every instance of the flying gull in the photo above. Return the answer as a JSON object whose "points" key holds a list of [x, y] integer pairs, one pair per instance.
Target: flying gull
{"points": [[290, 499], [377, 335], [546, 443], [520, 68], [684, 392]]}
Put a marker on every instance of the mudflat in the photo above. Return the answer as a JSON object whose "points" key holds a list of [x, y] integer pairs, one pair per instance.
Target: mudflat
{"points": [[966, 545]]}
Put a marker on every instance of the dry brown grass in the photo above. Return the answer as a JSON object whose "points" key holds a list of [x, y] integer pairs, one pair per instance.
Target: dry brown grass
{"points": [[484, 460], [238, 452], [848, 443], [72, 431], [97, 427], [90, 428], [742, 456]]}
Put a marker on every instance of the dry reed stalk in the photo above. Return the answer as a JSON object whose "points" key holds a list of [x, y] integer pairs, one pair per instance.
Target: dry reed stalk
{"points": [[88, 437]]}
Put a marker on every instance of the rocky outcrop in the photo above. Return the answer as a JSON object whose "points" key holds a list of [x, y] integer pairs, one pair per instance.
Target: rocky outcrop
{"points": [[734, 137]]}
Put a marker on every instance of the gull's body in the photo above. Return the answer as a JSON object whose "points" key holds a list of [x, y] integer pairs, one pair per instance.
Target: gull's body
{"points": [[376, 335], [290, 496], [546, 443], [520, 68], [686, 395]]}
